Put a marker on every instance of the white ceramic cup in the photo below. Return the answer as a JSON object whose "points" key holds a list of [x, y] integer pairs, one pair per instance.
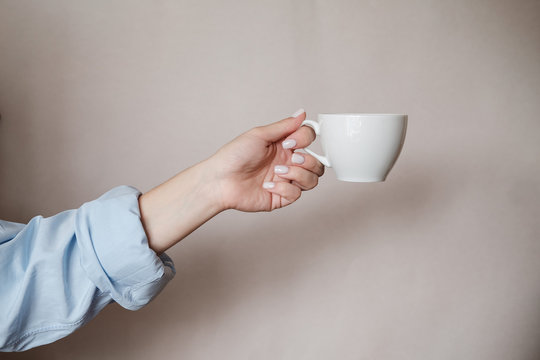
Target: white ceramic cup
{"points": [[359, 147]]}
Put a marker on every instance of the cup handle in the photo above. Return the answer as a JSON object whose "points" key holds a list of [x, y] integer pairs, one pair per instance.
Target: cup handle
{"points": [[316, 127]]}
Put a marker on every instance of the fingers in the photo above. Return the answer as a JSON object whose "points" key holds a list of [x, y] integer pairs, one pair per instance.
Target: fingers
{"points": [[308, 162], [305, 179], [287, 192], [280, 129], [299, 139]]}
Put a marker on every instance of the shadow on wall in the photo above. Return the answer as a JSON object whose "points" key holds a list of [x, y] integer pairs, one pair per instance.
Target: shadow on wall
{"points": [[205, 290]]}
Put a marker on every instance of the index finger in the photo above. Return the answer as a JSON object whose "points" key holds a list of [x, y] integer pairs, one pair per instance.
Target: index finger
{"points": [[299, 139]]}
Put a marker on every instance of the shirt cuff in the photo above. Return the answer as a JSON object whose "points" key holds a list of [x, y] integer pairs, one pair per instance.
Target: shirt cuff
{"points": [[114, 249]]}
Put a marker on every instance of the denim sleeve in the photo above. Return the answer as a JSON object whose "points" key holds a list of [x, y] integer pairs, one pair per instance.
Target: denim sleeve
{"points": [[57, 273]]}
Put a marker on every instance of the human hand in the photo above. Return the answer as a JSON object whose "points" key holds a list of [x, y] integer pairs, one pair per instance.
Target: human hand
{"points": [[259, 171], [241, 175]]}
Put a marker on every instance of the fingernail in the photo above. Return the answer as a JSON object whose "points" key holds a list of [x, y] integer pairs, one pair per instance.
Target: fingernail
{"points": [[298, 112], [268, 185], [281, 169], [288, 144], [297, 158]]}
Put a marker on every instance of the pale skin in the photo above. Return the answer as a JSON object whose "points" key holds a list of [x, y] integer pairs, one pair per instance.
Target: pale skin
{"points": [[242, 175]]}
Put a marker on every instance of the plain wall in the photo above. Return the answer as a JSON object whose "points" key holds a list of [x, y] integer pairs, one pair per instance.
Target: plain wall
{"points": [[441, 261]]}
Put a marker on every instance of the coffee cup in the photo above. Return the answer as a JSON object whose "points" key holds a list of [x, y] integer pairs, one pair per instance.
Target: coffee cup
{"points": [[359, 147]]}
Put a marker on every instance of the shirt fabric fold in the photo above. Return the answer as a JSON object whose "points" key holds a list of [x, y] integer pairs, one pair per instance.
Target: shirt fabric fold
{"points": [[57, 273]]}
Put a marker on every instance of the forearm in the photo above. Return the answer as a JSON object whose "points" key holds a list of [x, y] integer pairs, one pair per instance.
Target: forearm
{"points": [[174, 209]]}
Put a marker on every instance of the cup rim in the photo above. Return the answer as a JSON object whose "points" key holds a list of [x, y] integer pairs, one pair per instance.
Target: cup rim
{"points": [[361, 114]]}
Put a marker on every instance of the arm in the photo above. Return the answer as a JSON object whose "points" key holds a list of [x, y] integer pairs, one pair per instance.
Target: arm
{"points": [[59, 272], [242, 175]]}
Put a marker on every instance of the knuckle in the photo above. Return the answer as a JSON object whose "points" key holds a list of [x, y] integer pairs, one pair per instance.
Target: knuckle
{"points": [[321, 169], [297, 194], [313, 182], [309, 132], [316, 166]]}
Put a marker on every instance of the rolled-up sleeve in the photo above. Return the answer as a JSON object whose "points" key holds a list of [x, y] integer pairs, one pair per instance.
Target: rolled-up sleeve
{"points": [[57, 273]]}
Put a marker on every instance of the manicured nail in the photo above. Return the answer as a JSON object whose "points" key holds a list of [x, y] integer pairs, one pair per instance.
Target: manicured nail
{"points": [[281, 169], [297, 158], [288, 144], [268, 185], [298, 112]]}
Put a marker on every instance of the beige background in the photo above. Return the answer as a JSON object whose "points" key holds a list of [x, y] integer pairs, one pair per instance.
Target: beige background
{"points": [[442, 261]]}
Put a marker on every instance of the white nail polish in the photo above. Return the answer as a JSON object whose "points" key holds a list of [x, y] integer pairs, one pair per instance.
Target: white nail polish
{"points": [[281, 169], [268, 185], [297, 158], [288, 144], [298, 112]]}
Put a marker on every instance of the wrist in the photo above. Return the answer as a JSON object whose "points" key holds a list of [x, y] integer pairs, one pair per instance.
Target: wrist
{"points": [[172, 210], [210, 185]]}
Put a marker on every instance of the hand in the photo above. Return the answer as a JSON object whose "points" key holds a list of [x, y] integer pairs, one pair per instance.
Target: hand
{"points": [[233, 178], [258, 170]]}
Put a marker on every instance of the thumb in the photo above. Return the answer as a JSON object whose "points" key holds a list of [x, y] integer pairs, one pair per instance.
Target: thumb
{"points": [[283, 128]]}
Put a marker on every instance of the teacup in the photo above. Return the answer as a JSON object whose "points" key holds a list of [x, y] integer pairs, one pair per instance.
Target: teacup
{"points": [[359, 147]]}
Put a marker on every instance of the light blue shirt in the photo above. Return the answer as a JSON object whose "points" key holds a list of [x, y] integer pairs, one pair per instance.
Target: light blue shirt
{"points": [[57, 273]]}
